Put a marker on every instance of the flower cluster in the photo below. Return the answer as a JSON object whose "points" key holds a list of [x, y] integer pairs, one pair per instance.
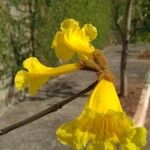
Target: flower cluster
{"points": [[102, 125]]}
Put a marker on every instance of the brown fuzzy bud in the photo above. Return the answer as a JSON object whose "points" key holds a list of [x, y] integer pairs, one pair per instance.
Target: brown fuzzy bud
{"points": [[100, 59], [107, 75]]}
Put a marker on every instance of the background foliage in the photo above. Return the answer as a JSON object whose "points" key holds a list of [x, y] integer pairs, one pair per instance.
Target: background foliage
{"points": [[141, 21]]}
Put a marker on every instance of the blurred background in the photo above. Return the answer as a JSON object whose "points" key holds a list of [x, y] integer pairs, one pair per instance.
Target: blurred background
{"points": [[27, 28]]}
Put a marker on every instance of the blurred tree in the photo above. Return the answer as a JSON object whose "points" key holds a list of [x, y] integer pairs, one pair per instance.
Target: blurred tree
{"points": [[132, 21], [122, 11]]}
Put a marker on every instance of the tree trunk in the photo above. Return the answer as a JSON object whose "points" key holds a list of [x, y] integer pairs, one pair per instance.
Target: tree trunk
{"points": [[123, 74], [124, 54]]}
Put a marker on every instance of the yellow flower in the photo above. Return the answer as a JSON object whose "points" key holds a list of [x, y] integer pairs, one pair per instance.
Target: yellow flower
{"points": [[73, 39], [102, 125], [37, 74]]}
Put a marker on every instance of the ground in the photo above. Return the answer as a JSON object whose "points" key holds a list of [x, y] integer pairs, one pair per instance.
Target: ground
{"points": [[41, 133]]}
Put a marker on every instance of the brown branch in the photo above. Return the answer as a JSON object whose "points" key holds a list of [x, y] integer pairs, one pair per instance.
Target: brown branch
{"points": [[49, 110]]}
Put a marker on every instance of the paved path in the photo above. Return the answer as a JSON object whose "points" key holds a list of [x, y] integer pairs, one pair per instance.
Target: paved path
{"points": [[40, 135]]}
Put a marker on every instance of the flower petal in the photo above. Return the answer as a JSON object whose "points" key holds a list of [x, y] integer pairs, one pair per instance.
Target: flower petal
{"points": [[91, 130], [72, 39], [38, 74], [102, 124], [90, 31], [36, 81], [62, 52], [77, 40], [128, 145], [69, 23], [32, 81], [21, 79], [104, 98], [139, 137], [101, 146], [33, 65]]}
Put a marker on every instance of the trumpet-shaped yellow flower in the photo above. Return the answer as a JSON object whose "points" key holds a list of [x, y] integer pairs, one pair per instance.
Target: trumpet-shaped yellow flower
{"points": [[36, 74], [102, 125], [73, 39]]}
